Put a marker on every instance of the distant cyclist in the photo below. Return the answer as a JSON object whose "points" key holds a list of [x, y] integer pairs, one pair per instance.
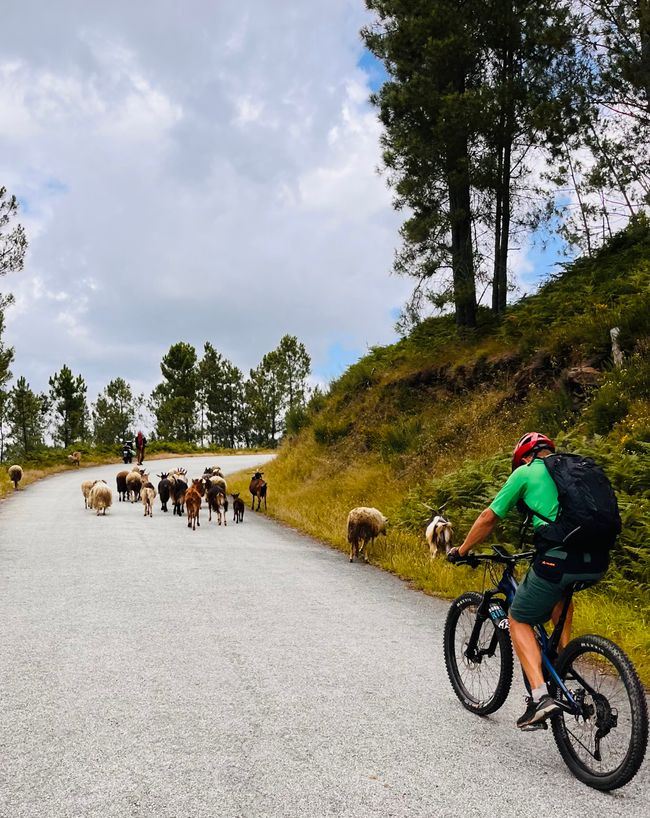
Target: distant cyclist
{"points": [[559, 562]]}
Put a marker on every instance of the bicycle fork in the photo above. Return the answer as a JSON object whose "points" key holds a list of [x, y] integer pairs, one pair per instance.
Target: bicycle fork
{"points": [[489, 608]]}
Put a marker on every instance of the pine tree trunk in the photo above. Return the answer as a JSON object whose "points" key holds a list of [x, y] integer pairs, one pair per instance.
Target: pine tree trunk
{"points": [[497, 232], [462, 253], [643, 7], [502, 260], [504, 172]]}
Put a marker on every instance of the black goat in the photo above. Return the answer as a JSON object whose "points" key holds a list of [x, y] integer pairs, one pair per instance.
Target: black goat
{"points": [[164, 490]]}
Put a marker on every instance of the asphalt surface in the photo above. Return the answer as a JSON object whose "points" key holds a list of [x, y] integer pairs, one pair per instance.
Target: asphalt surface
{"points": [[148, 670]]}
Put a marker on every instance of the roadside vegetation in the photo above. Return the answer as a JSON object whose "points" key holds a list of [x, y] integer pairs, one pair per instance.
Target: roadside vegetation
{"points": [[431, 420]]}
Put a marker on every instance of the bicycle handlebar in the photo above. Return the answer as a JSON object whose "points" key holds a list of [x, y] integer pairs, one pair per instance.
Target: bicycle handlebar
{"points": [[501, 555]]}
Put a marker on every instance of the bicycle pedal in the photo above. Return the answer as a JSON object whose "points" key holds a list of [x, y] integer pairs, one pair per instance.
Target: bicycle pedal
{"points": [[540, 725]]}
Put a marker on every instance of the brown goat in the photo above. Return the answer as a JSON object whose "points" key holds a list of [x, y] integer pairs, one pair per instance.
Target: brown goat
{"points": [[193, 505], [258, 489]]}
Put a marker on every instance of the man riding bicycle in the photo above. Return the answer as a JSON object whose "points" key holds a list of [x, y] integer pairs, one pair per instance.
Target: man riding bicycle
{"points": [[555, 568]]}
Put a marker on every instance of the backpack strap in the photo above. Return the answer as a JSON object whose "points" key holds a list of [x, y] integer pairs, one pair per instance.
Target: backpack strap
{"points": [[541, 545], [529, 513]]}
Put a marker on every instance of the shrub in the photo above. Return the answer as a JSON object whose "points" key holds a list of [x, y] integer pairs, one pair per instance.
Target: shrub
{"points": [[296, 419], [620, 387], [328, 432], [550, 410]]}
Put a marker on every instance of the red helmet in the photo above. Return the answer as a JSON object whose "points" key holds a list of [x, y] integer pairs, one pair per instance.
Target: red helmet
{"points": [[530, 443]]}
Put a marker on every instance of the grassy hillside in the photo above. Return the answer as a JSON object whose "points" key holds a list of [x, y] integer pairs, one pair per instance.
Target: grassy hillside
{"points": [[431, 420]]}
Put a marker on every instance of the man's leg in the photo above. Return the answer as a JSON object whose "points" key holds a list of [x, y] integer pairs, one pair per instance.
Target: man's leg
{"points": [[533, 602], [528, 652], [566, 630]]}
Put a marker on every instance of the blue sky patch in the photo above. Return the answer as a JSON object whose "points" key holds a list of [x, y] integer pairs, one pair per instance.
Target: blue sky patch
{"points": [[374, 69], [339, 358]]}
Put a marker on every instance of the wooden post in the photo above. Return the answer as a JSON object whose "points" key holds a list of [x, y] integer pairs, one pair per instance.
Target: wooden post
{"points": [[617, 354]]}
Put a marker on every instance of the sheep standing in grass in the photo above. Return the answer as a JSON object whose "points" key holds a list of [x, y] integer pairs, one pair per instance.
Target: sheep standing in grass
{"points": [[75, 458], [101, 497], [147, 495], [364, 525], [439, 535], [15, 473], [86, 488]]}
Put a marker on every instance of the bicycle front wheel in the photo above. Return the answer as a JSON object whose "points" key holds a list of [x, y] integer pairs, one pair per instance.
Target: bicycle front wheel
{"points": [[605, 746], [481, 681]]}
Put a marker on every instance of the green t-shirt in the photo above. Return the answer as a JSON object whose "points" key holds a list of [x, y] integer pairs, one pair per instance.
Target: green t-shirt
{"points": [[534, 485]]}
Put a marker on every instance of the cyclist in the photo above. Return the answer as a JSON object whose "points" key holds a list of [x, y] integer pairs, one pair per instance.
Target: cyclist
{"points": [[540, 595]]}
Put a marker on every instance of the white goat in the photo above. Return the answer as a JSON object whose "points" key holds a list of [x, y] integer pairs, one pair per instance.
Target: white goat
{"points": [[439, 534]]}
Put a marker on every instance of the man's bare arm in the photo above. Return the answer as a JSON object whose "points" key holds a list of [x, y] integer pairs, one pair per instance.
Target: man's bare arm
{"points": [[483, 526]]}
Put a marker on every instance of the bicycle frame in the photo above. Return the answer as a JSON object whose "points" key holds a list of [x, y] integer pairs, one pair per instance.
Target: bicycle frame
{"points": [[508, 587]]}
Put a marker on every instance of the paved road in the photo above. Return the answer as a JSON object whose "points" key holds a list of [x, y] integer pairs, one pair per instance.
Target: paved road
{"points": [[148, 670]]}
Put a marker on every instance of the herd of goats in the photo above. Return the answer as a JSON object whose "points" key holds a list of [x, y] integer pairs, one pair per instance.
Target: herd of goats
{"points": [[173, 487], [364, 524]]}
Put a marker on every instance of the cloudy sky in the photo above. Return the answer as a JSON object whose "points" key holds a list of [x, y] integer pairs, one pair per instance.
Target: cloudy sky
{"points": [[193, 171]]}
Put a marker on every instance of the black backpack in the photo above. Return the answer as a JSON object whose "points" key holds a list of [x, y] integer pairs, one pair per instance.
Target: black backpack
{"points": [[589, 519]]}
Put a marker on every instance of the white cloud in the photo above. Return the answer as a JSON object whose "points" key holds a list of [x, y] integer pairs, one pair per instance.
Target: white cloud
{"points": [[211, 176]]}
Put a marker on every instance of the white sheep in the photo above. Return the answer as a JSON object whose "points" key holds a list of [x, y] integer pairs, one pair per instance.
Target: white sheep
{"points": [[134, 484], [15, 473], [364, 525], [214, 481], [101, 497], [86, 487], [439, 534]]}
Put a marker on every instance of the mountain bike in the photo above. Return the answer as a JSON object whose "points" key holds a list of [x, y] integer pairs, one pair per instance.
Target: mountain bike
{"points": [[602, 731]]}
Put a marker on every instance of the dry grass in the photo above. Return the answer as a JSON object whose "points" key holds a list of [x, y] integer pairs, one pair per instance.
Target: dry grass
{"points": [[312, 489], [31, 475]]}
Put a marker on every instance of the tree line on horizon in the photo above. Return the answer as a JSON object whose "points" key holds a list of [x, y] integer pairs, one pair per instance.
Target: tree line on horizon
{"points": [[503, 116], [205, 401]]}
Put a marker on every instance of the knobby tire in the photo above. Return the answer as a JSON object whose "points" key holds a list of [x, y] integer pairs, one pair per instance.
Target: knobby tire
{"points": [[609, 672], [491, 678]]}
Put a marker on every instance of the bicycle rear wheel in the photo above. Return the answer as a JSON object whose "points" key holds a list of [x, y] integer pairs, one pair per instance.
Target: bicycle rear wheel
{"points": [[605, 747], [482, 683]]}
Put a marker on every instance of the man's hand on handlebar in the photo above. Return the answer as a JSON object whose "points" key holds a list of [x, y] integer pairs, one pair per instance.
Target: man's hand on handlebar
{"points": [[455, 556]]}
